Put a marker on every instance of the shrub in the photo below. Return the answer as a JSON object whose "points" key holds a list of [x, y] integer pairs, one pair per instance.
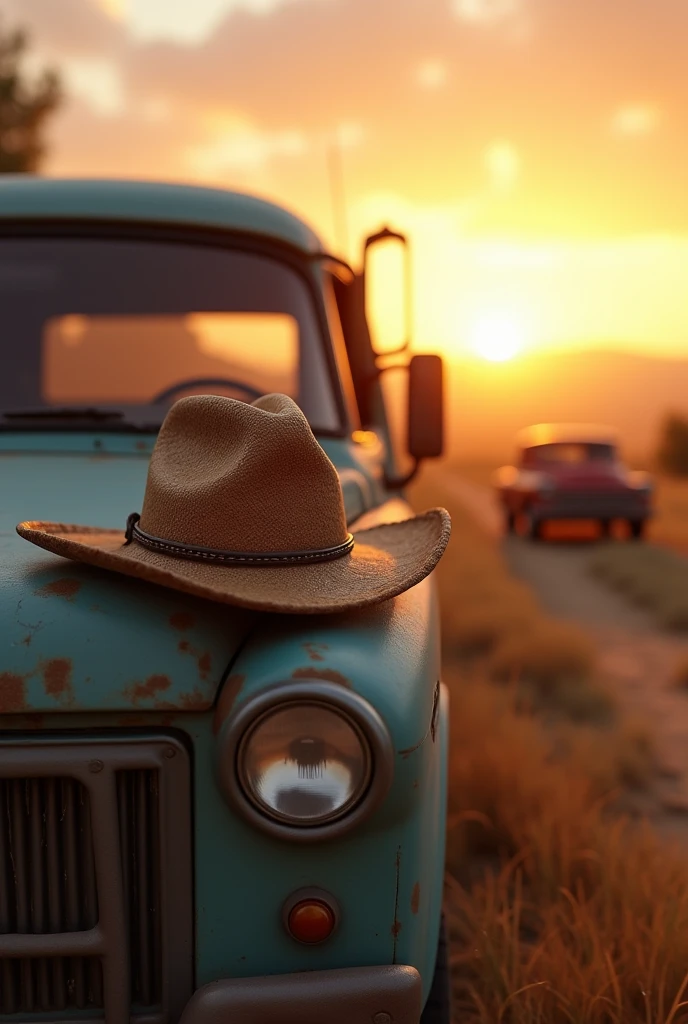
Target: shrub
{"points": [[672, 452]]}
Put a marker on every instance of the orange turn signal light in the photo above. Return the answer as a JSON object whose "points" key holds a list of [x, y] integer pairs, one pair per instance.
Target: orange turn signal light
{"points": [[311, 921]]}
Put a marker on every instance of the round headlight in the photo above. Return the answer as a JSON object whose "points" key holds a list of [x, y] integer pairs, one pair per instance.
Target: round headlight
{"points": [[304, 764], [305, 761]]}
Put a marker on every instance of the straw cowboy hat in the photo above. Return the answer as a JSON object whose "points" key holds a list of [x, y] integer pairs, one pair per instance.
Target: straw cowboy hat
{"points": [[243, 506]]}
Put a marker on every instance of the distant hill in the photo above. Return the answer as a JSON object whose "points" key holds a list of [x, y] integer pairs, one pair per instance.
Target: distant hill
{"points": [[488, 403]]}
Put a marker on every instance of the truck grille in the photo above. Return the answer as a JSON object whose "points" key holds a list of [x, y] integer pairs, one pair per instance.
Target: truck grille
{"points": [[95, 879]]}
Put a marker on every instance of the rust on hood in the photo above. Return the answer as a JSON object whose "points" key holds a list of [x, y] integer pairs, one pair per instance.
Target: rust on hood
{"points": [[12, 692], [57, 679], [396, 924], [194, 701], [203, 658], [182, 621], [415, 898], [67, 587], [228, 695], [329, 674], [149, 689], [313, 651]]}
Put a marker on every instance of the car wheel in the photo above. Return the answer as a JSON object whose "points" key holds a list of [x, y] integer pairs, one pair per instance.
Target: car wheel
{"points": [[438, 1007], [532, 527], [638, 528], [605, 529]]}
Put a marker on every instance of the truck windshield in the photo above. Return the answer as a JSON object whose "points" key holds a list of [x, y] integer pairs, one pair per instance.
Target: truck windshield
{"points": [[570, 453], [97, 324]]}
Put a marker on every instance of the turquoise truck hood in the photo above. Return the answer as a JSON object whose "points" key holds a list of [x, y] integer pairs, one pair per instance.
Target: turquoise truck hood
{"points": [[74, 638]]}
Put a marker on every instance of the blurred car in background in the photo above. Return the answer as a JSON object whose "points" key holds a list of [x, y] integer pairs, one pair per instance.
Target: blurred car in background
{"points": [[571, 471]]}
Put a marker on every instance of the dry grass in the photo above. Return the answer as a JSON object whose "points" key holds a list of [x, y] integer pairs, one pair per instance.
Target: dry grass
{"points": [[670, 525], [561, 909], [563, 905], [652, 577], [490, 618], [680, 674]]}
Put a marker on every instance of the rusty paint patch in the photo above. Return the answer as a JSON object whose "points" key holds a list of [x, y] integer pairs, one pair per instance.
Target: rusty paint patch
{"points": [[182, 621], [194, 701], [27, 640], [313, 651], [203, 658], [66, 587], [228, 695], [435, 711], [396, 924], [311, 672], [12, 692], [415, 898], [410, 750], [149, 689], [57, 679]]}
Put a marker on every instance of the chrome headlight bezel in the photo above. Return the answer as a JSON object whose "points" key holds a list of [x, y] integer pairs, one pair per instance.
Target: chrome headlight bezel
{"points": [[357, 712]]}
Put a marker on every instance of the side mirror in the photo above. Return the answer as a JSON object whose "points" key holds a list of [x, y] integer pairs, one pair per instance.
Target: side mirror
{"points": [[390, 296], [426, 407]]}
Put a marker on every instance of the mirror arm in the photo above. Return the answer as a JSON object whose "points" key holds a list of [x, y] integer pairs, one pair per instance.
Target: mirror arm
{"points": [[395, 483]]}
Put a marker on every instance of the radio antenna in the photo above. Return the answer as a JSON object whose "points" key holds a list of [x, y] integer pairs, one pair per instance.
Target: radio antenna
{"points": [[337, 196]]}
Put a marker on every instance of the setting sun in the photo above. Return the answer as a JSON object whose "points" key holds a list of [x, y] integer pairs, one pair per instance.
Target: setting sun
{"points": [[497, 337]]}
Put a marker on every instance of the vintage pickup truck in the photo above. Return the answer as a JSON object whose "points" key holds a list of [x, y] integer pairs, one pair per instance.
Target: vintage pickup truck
{"points": [[571, 471], [131, 887]]}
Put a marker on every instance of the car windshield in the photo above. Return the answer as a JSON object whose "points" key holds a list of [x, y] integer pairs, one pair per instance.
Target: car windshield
{"points": [[98, 324], [570, 453]]}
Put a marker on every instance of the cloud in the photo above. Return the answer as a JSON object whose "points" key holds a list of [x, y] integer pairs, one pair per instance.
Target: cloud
{"points": [[68, 27], [503, 165], [441, 110], [237, 145], [486, 12], [98, 83], [635, 120], [431, 74]]}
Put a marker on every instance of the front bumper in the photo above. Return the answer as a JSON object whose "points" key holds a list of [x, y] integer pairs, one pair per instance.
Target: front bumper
{"points": [[592, 506], [354, 995]]}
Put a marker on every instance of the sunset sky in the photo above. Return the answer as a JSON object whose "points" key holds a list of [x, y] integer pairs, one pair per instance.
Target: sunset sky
{"points": [[535, 150]]}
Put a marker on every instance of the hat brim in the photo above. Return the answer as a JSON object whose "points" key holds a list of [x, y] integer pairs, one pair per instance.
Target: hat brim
{"points": [[386, 560]]}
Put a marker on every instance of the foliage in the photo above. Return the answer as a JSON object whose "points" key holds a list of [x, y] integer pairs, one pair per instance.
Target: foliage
{"points": [[25, 106], [672, 452]]}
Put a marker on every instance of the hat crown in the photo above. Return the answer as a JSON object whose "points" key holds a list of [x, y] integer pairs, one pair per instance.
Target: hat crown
{"points": [[236, 477]]}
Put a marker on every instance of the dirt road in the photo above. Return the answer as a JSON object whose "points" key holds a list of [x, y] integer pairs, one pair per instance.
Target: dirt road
{"points": [[637, 657]]}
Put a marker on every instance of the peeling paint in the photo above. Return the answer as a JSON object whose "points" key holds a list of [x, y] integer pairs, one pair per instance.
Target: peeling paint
{"points": [[154, 685], [396, 924], [182, 621], [203, 658], [313, 651], [12, 692], [66, 587], [311, 672], [228, 695], [57, 679], [415, 898], [194, 701]]}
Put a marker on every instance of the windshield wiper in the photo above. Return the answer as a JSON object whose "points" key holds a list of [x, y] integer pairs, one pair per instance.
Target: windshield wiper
{"points": [[72, 418], [66, 413]]}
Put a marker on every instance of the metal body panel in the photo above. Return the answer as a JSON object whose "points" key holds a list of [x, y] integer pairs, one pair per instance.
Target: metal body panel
{"points": [[86, 650], [74, 637], [43, 199]]}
